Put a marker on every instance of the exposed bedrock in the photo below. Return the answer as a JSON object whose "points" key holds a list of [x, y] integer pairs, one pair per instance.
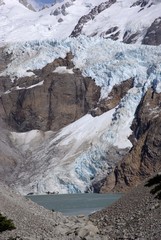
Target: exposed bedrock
{"points": [[114, 97], [61, 99], [153, 35], [145, 157]]}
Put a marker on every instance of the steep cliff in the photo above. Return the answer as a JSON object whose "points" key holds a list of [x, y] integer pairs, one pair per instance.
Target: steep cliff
{"points": [[144, 158], [57, 97]]}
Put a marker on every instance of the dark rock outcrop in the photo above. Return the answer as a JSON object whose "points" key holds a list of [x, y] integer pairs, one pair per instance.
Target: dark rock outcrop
{"points": [[130, 38], [145, 157], [112, 33], [60, 100], [153, 35], [141, 3], [114, 97]]}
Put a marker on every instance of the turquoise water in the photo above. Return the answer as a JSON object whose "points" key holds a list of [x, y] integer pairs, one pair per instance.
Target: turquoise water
{"points": [[75, 204]]}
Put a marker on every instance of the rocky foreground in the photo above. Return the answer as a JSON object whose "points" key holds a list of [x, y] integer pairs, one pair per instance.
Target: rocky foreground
{"points": [[33, 222], [137, 215]]}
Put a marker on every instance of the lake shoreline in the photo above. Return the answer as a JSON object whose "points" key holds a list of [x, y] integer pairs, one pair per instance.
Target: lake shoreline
{"points": [[76, 204]]}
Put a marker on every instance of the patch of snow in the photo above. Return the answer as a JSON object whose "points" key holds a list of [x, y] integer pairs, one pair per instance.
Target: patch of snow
{"points": [[20, 88], [27, 141], [63, 70], [37, 84], [72, 141]]}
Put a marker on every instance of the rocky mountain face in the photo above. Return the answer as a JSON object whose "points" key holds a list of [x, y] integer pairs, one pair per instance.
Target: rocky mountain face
{"points": [[144, 157], [60, 100], [153, 34]]}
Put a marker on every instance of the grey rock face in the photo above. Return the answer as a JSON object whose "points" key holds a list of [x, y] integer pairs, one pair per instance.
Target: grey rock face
{"points": [[60, 20], [141, 3], [153, 35], [56, 12], [62, 9], [1, 2], [130, 38], [26, 4]]}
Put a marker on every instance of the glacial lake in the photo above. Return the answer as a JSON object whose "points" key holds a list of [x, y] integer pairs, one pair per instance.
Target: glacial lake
{"points": [[75, 204]]}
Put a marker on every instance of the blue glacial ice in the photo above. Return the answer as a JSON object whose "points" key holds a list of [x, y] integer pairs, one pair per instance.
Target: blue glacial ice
{"points": [[107, 63]]}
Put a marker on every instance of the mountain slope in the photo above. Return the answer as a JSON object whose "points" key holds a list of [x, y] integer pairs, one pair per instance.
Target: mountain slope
{"points": [[89, 147], [120, 20], [67, 104]]}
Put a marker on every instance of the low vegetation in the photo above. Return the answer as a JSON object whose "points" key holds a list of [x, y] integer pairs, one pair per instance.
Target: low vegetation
{"points": [[6, 224]]}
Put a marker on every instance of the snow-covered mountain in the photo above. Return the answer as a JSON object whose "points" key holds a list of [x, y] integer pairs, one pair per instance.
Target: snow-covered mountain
{"points": [[126, 21], [69, 95]]}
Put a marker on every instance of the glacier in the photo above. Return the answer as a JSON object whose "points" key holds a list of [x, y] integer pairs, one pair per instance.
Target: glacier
{"points": [[80, 153], [107, 62]]}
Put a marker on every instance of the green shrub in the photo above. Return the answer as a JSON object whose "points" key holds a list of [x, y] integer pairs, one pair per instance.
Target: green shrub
{"points": [[6, 224]]}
